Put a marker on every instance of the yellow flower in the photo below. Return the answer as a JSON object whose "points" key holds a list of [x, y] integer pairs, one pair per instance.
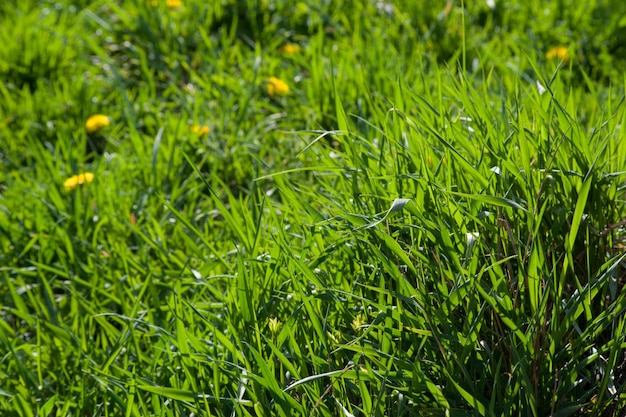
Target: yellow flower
{"points": [[200, 130], [169, 3], [96, 123], [277, 87], [76, 180], [357, 323], [558, 52], [274, 325], [290, 48]]}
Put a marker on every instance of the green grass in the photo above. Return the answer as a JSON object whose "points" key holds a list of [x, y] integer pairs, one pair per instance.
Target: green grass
{"points": [[431, 222]]}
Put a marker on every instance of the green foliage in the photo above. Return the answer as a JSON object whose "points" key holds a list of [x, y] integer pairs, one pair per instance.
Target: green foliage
{"points": [[430, 222]]}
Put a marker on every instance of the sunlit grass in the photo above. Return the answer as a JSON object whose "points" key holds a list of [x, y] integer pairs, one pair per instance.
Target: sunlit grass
{"points": [[345, 208]]}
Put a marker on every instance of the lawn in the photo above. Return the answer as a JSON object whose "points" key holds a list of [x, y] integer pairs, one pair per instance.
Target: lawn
{"points": [[312, 208]]}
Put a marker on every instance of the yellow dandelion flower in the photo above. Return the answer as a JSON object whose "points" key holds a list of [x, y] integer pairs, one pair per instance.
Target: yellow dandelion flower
{"points": [[290, 48], [277, 87], [357, 323], [201, 130], [76, 180], [274, 325], [558, 52], [172, 4], [96, 123]]}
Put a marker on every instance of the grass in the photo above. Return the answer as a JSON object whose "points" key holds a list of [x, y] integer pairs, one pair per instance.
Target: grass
{"points": [[430, 222]]}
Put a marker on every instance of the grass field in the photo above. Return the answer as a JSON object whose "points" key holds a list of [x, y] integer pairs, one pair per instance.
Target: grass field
{"points": [[324, 208]]}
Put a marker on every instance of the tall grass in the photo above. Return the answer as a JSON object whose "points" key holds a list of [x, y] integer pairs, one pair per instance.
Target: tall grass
{"points": [[431, 222]]}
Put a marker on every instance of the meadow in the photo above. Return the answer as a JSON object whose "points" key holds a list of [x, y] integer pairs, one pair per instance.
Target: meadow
{"points": [[330, 208]]}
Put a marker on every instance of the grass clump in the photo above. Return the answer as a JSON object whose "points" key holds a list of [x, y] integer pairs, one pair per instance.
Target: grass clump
{"points": [[412, 217]]}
